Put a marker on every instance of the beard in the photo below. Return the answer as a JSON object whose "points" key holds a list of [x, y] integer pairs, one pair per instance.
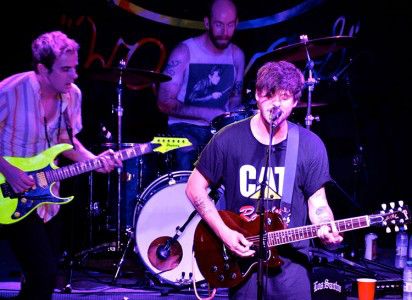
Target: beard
{"points": [[219, 42]]}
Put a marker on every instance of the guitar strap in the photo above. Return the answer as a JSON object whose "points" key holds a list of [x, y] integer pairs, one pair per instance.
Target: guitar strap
{"points": [[291, 158], [69, 128]]}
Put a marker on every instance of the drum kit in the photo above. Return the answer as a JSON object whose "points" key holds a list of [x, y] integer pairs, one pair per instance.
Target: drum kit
{"points": [[160, 220]]}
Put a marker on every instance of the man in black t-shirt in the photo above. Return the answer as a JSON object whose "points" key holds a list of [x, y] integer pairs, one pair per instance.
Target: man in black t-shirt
{"points": [[236, 158]]}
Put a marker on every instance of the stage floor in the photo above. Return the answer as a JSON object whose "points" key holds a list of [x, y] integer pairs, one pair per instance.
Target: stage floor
{"points": [[94, 286], [93, 277]]}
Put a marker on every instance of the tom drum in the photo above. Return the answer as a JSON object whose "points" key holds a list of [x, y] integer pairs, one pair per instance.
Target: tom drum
{"points": [[229, 117]]}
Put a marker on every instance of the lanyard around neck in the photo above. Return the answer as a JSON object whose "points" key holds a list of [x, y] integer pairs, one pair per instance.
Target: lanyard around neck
{"points": [[60, 119]]}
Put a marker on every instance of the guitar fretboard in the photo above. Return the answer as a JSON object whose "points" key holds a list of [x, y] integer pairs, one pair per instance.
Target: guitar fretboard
{"points": [[95, 163], [286, 236]]}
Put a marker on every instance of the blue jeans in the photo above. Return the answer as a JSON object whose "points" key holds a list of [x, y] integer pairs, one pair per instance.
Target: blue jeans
{"points": [[184, 158]]}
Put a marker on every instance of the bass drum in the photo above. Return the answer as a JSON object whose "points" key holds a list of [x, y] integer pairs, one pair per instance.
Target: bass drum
{"points": [[161, 211]]}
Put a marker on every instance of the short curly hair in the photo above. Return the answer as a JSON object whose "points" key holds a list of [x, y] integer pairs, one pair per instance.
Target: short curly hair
{"points": [[49, 46], [281, 75]]}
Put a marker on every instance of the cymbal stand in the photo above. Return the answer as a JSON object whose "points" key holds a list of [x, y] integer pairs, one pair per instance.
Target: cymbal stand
{"points": [[122, 258], [119, 110], [310, 84]]}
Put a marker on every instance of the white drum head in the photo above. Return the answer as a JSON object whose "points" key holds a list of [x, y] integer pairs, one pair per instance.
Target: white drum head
{"points": [[165, 209]]}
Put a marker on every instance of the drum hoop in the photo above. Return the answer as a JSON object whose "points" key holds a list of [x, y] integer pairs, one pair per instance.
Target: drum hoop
{"points": [[148, 189], [235, 116]]}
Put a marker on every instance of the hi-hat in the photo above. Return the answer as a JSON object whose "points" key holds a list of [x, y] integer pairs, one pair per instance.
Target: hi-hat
{"points": [[130, 76]]}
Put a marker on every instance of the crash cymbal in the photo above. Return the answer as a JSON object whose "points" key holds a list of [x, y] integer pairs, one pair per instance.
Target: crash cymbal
{"points": [[130, 76], [313, 104], [297, 52]]}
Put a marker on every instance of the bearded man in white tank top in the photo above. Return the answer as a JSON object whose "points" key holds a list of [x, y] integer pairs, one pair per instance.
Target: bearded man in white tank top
{"points": [[207, 78]]}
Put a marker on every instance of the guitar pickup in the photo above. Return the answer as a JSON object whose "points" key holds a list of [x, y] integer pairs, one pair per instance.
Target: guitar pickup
{"points": [[7, 191]]}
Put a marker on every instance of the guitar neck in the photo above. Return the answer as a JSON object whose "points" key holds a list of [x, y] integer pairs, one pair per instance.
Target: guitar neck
{"points": [[95, 163], [287, 236]]}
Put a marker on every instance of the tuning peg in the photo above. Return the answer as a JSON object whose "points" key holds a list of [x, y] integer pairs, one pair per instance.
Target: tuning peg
{"points": [[388, 230], [396, 228], [400, 202], [405, 227], [384, 206], [392, 204]]}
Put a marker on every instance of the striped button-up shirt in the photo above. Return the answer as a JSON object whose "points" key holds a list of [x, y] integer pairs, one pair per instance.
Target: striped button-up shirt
{"points": [[22, 123]]}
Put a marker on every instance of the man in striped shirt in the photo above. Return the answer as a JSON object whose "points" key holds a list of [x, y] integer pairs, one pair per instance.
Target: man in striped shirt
{"points": [[39, 109]]}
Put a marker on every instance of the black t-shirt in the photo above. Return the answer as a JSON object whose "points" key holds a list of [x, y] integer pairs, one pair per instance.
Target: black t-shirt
{"points": [[235, 159]]}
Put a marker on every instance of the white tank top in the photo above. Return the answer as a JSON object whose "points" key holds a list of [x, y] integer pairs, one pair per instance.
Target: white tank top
{"points": [[208, 80]]}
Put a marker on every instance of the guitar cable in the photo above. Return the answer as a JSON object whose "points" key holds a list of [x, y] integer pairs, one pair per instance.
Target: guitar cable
{"points": [[211, 296]]}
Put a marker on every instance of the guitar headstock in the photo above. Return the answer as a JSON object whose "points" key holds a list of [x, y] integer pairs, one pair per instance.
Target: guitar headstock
{"points": [[165, 144], [395, 215]]}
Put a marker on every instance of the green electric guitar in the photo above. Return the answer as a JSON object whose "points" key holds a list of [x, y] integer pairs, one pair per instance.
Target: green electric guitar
{"points": [[15, 207]]}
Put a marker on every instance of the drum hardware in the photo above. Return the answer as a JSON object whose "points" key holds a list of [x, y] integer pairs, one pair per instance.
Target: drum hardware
{"points": [[123, 75], [119, 110], [119, 265], [310, 83]]}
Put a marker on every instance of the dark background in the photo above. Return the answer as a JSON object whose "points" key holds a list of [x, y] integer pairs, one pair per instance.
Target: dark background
{"points": [[365, 122]]}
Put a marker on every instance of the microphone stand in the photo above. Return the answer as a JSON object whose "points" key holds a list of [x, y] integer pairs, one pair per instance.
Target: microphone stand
{"points": [[119, 110], [260, 210], [358, 159]]}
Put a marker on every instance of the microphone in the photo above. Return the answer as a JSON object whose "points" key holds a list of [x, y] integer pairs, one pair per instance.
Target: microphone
{"points": [[163, 251], [275, 113]]}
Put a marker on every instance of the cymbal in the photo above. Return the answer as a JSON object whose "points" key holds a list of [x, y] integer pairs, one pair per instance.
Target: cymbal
{"points": [[130, 76], [316, 48], [313, 104]]}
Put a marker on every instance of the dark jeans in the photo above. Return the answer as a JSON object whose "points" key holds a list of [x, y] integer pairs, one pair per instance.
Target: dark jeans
{"points": [[199, 136], [289, 282], [36, 247]]}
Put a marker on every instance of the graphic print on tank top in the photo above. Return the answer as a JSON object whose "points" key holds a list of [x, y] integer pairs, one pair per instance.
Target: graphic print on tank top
{"points": [[209, 85]]}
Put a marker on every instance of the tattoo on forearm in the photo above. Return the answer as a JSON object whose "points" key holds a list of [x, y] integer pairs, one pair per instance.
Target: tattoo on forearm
{"points": [[169, 70], [202, 205], [323, 214], [237, 89]]}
